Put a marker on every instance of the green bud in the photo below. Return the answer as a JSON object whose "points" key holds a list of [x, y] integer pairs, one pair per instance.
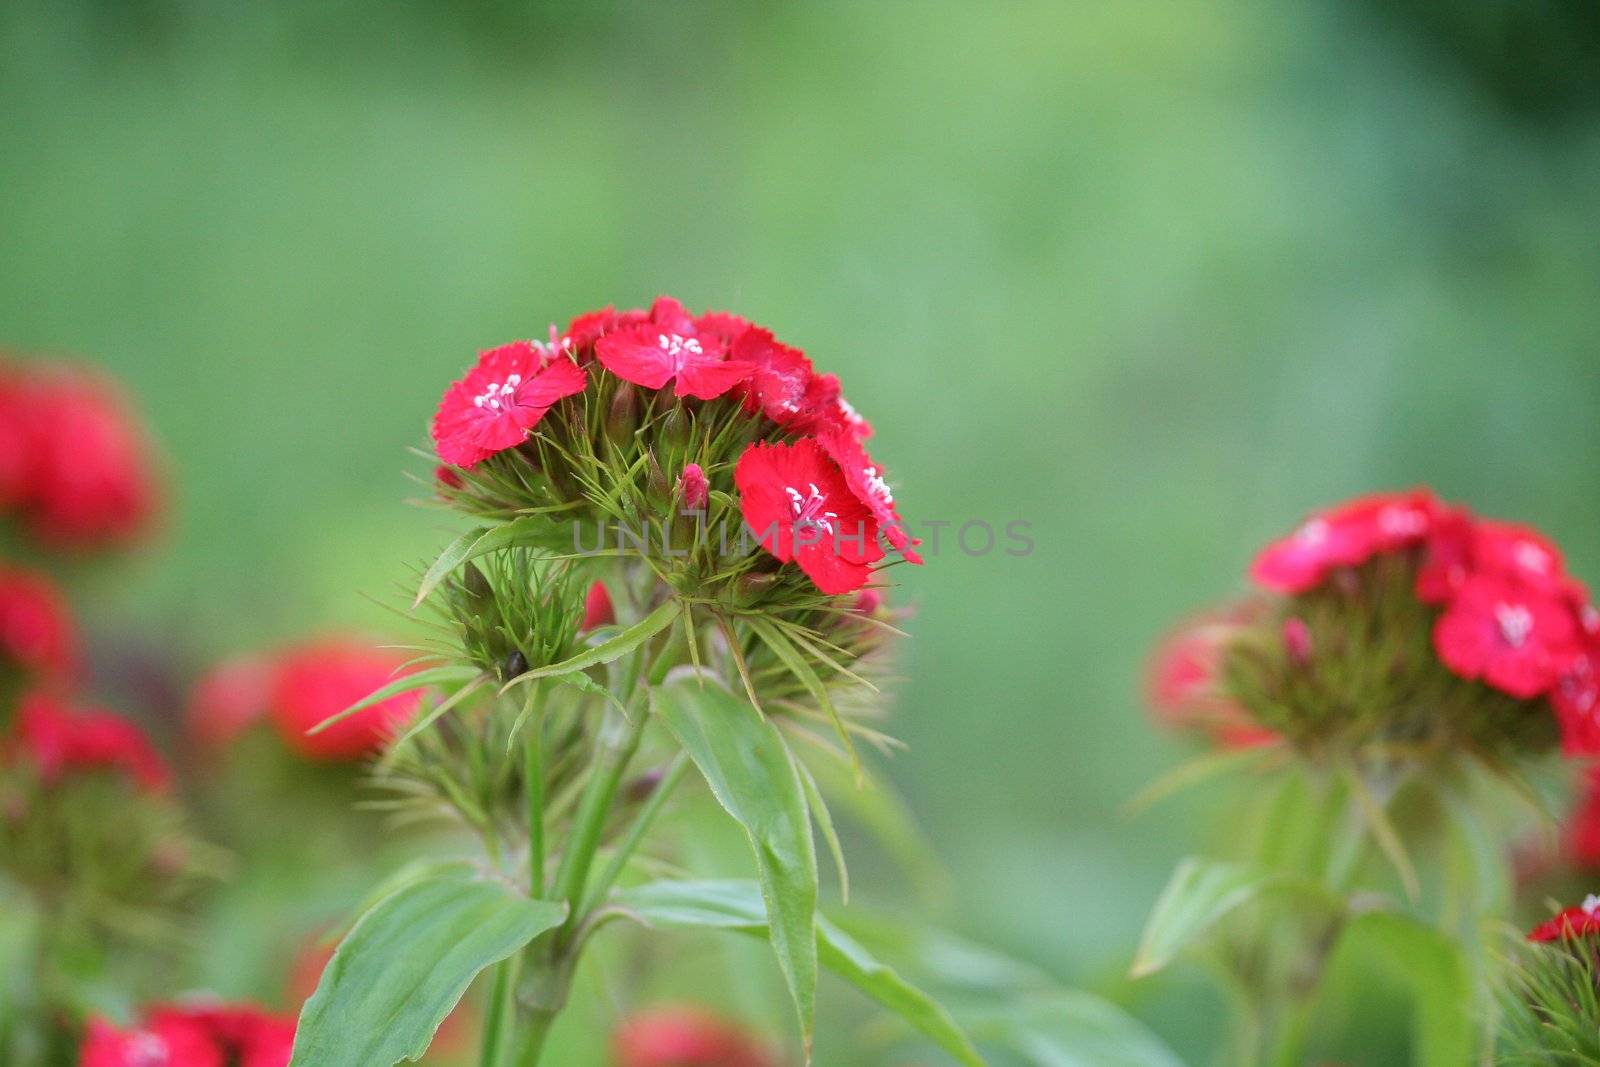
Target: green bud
{"points": [[622, 418], [751, 589]]}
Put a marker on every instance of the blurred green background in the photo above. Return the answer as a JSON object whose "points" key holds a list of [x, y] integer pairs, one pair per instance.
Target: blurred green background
{"points": [[1154, 277]]}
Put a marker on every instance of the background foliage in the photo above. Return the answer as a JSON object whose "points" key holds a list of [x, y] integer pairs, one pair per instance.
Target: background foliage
{"points": [[1153, 277]]}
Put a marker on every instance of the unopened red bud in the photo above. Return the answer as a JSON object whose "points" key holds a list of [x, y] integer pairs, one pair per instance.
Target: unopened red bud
{"points": [[448, 477], [1297, 639], [597, 608], [868, 601], [693, 489]]}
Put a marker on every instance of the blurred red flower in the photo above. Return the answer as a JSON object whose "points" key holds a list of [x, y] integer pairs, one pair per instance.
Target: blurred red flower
{"points": [[1569, 925], [597, 608], [1513, 637], [494, 406], [36, 628], [229, 698], [686, 1037], [77, 464], [318, 680], [1184, 688], [170, 1041], [1344, 536], [800, 507], [59, 739]]}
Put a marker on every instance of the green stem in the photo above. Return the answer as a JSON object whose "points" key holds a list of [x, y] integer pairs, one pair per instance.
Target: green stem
{"points": [[615, 752], [533, 785], [636, 833], [535, 1034], [501, 1009]]}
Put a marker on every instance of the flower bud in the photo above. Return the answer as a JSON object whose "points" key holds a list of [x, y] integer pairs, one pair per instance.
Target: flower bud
{"points": [[693, 489], [676, 429], [751, 589], [516, 665], [1297, 639], [622, 418], [597, 608], [657, 492], [479, 594]]}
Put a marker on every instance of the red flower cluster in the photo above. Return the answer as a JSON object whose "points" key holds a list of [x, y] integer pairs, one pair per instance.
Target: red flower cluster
{"points": [[74, 462], [58, 739], [1571, 924], [686, 1037], [299, 688], [37, 634], [1511, 616], [824, 492], [192, 1036]]}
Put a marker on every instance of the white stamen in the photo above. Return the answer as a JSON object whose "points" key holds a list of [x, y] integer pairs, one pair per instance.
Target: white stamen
{"points": [[877, 486], [1591, 904], [1516, 623], [497, 396], [1530, 557], [1312, 533], [679, 347], [1402, 521], [808, 509], [148, 1050]]}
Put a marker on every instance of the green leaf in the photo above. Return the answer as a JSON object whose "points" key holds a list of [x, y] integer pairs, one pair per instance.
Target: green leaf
{"points": [[872, 803], [737, 905], [753, 775], [480, 542], [404, 684], [619, 646], [824, 820], [1201, 894], [406, 964], [1436, 969], [1066, 1028]]}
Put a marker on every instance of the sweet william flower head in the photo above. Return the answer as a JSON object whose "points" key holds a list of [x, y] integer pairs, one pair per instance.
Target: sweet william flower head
{"points": [[1344, 536], [59, 739], [801, 508], [1514, 637], [318, 680], [501, 399]]}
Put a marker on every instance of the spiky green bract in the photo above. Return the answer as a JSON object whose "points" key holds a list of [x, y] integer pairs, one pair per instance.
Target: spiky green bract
{"points": [[1550, 1004], [1371, 682], [512, 610]]}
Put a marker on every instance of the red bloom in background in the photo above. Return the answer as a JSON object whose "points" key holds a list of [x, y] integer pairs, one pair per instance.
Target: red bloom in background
{"points": [[170, 1041], [800, 507], [1581, 831], [1446, 556], [500, 400], [1183, 685], [1514, 638], [1569, 925], [1345, 536], [229, 699], [1517, 552], [59, 739], [778, 380], [36, 629], [1576, 698], [76, 461], [685, 1037], [317, 681], [597, 609], [866, 481]]}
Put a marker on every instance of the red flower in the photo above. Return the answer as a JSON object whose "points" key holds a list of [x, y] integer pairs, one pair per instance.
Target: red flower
{"points": [[1344, 536], [1574, 923], [60, 740], [1184, 684], [1512, 637], [685, 1037], [824, 405], [229, 699], [1446, 556], [167, 1042], [778, 382], [16, 474], [317, 681], [597, 609], [448, 477], [36, 630], [693, 489], [1581, 832], [500, 400], [1518, 552], [800, 507], [673, 345], [584, 330], [866, 481], [1576, 698], [249, 1036], [81, 470]]}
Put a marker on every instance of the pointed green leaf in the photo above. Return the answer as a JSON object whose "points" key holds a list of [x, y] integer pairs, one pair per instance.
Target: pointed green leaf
{"points": [[406, 964], [404, 684], [528, 530], [1201, 894], [752, 774], [617, 647], [737, 905]]}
